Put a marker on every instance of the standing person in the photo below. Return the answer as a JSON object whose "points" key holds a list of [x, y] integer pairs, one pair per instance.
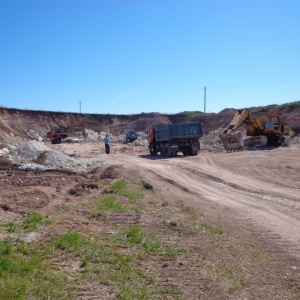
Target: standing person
{"points": [[106, 142]]}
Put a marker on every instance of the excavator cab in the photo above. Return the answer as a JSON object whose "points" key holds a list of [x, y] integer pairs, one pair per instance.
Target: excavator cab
{"points": [[273, 125]]}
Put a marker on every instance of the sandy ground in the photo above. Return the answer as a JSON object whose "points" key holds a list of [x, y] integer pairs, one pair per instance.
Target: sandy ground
{"points": [[254, 193], [260, 188]]}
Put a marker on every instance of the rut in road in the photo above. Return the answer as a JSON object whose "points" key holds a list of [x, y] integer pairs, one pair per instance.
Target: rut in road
{"points": [[273, 211]]}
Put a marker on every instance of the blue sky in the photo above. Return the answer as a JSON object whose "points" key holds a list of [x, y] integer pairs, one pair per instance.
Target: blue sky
{"points": [[129, 57]]}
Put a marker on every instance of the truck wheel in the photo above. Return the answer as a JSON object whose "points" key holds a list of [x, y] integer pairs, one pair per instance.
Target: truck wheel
{"points": [[162, 150], [153, 151], [167, 150], [56, 141]]}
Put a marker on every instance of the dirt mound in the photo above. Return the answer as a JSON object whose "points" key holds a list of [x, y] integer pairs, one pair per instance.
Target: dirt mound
{"points": [[36, 155]]}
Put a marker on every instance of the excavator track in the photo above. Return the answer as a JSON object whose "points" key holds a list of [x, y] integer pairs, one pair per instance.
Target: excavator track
{"points": [[259, 141]]}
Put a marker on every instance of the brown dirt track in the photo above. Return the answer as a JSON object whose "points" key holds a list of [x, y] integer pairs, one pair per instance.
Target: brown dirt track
{"points": [[253, 195]]}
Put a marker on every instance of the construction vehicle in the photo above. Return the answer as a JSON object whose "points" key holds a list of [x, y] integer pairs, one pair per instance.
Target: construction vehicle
{"points": [[270, 131], [169, 139], [56, 135], [131, 136]]}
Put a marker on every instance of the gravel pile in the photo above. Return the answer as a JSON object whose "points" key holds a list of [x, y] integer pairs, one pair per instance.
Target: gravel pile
{"points": [[211, 141], [91, 136], [36, 155]]}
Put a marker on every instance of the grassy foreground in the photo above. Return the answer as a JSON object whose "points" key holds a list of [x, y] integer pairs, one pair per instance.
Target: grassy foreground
{"points": [[112, 258]]}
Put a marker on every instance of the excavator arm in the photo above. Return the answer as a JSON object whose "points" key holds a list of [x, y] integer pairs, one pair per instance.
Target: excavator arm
{"points": [[232, 138], [254, 124], [237, 121]]}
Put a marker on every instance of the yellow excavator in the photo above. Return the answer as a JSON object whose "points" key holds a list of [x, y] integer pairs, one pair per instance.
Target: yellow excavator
{"points": [[270, 131]]}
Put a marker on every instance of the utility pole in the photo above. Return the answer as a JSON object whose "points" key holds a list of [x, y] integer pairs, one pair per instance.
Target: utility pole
{"points": [[205, 99], [80, 107]]}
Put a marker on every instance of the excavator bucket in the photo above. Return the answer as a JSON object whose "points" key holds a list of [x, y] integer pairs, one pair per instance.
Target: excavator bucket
{"points": [[233, 141], [236, 142]]}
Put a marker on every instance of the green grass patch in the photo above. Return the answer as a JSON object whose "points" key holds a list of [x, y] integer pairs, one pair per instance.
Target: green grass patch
{"points": [[124, 189], [103, 205], [119, 196], [109, 203], [71, 241], [25, 275], [135, 235], [105, 263], [32, 221]]}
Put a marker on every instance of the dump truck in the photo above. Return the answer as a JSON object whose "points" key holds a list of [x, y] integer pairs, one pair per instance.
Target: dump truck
{"points": [[270, 131], [169, 139]]}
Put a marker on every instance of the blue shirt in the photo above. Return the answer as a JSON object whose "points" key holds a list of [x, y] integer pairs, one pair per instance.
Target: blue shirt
{"points": [[106, 140]]}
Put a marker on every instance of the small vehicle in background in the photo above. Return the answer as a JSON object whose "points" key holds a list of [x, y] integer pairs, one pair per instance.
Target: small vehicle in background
{"points": [[56, 135], [131, 135]]}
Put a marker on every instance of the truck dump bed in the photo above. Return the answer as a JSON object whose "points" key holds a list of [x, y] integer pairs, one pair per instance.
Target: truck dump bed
{"points": [[167, 132]]}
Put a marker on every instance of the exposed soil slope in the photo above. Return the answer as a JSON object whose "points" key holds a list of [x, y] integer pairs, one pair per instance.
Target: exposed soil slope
{"points": [[17, 125]]}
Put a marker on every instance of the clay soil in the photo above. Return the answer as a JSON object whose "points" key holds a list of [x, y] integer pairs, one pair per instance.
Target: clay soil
{"points": [[236, 216]]}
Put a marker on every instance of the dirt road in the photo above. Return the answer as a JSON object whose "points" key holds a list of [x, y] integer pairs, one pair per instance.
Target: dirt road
{"points": [[256, 190]]}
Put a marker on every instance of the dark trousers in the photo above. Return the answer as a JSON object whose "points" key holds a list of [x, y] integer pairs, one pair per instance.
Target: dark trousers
{"points": [[107, 148]]}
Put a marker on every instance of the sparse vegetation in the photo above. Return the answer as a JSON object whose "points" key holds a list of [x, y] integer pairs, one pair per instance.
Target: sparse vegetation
{"points": [[132, 260], [107, 203], [121, 188], [24, 274], [32, 221], [191, 113], [212, 229]]}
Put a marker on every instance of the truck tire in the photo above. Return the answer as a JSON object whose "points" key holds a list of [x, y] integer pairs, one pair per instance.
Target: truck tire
{"points": [[167, 150], [153, 150], [56, 141], [192, 151], [162, 150]]}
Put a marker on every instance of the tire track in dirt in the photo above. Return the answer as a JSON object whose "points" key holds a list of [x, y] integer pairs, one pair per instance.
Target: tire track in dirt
{"points": [[275, 210]]}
